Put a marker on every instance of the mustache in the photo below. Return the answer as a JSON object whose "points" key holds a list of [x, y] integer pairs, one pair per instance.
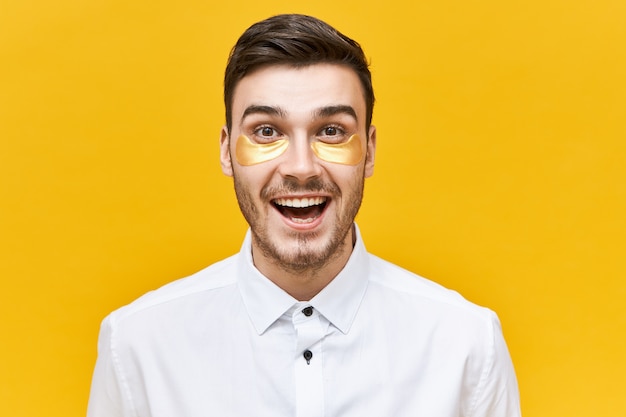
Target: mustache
{"points": [[292, 186]]}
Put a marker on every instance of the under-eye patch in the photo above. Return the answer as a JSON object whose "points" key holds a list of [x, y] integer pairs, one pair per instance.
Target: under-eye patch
{"points": [[346, 153], [250, 153]]}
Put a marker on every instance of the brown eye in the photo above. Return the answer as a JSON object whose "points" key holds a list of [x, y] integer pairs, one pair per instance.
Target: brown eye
{"points": [[266, 134], [332, 134], [330, 131], [267, 131]]}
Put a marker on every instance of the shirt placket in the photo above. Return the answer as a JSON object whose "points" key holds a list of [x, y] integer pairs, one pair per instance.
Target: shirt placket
{"points": [[308, 366]]}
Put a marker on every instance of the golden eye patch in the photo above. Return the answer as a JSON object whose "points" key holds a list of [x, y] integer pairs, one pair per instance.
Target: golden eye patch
{"points": [[346, 153], [249, 153]]}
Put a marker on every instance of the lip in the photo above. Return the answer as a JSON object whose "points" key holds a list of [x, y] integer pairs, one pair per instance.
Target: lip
{"points": [[310, 195], [302, 226]]}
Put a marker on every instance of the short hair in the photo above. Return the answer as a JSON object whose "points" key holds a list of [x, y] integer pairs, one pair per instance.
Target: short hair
{"points": [[299, 41]]}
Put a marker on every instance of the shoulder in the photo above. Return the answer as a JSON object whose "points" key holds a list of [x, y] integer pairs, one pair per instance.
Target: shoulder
{"points": [[413, 306], [208, 282], [419, 292], [419, 315]]}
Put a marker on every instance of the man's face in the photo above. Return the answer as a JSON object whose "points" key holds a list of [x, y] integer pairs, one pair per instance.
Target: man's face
{"points": [[300, 208]]}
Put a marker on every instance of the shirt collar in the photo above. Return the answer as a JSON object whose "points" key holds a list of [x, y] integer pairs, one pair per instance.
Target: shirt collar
{"points": [[338, 302]]}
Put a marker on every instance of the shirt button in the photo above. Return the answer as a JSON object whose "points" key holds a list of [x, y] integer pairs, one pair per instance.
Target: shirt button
{"points": [[307, 356], [307, 311]]}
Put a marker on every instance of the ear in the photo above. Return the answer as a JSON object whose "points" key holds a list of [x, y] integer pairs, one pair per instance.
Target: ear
{"points": [[370, 152], [225, 159]]}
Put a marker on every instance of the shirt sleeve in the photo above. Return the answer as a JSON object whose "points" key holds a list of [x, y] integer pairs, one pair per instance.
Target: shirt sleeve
{"points": [[106, 398], [497, 394]]}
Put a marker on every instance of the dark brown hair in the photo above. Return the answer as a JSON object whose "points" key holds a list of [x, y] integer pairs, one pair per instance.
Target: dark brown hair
{"points": [[299, 41]]}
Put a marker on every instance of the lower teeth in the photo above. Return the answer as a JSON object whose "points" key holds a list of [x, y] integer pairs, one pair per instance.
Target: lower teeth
{"points": [[298, 220]]}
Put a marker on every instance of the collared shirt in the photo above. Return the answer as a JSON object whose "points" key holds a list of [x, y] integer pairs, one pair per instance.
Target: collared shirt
{"points": [[377, 341]]}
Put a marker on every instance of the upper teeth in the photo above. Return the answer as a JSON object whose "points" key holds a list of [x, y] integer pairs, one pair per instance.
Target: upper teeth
{"points": [[300, 202]]}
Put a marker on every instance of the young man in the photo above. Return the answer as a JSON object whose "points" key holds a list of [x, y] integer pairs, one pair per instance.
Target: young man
{"points": [[303, 321]]}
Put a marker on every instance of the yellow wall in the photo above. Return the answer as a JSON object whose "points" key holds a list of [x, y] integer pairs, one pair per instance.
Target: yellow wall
{"points": [[500, 173]]}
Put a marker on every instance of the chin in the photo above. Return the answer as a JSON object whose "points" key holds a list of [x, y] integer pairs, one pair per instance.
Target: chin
{"points": [[305, 250]]}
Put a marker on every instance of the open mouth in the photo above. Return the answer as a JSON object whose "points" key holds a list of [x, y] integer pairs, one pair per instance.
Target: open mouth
{"points": [[301, 210]]}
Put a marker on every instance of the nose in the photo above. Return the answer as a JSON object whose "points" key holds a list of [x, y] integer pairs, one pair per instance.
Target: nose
{"points": [[299, 162]]}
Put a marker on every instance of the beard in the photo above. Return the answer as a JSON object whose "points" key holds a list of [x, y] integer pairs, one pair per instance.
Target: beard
{"points": [[304, 254]]}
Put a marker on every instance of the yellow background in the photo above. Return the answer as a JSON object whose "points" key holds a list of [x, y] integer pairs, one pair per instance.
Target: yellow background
{"points": [[500, 173]]}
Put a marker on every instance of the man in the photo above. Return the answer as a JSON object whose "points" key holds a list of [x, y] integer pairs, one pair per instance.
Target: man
{"points": [[303, 321]]}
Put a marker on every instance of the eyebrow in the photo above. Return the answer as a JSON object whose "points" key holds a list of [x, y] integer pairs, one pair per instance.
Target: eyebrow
{"points": [[320, 113], [258, 109], [333, 110]]}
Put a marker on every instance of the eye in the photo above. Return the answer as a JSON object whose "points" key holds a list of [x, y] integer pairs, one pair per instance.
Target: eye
{"points": [[330, 131], [332, 134], [266, 134], [266, 131]]}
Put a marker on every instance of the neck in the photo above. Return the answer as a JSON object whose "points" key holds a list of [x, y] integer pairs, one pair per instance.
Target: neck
{"points": [[304, 283]]}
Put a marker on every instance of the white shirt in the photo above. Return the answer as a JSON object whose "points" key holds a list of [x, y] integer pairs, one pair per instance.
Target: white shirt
{"points": [[226, 341]]}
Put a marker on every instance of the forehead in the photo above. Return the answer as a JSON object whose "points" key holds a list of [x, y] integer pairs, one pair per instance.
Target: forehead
{"points": [[299, 90]]}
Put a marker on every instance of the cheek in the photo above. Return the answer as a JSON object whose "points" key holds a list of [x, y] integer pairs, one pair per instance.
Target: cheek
{"points": [[253, 179], [348, 179]]}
